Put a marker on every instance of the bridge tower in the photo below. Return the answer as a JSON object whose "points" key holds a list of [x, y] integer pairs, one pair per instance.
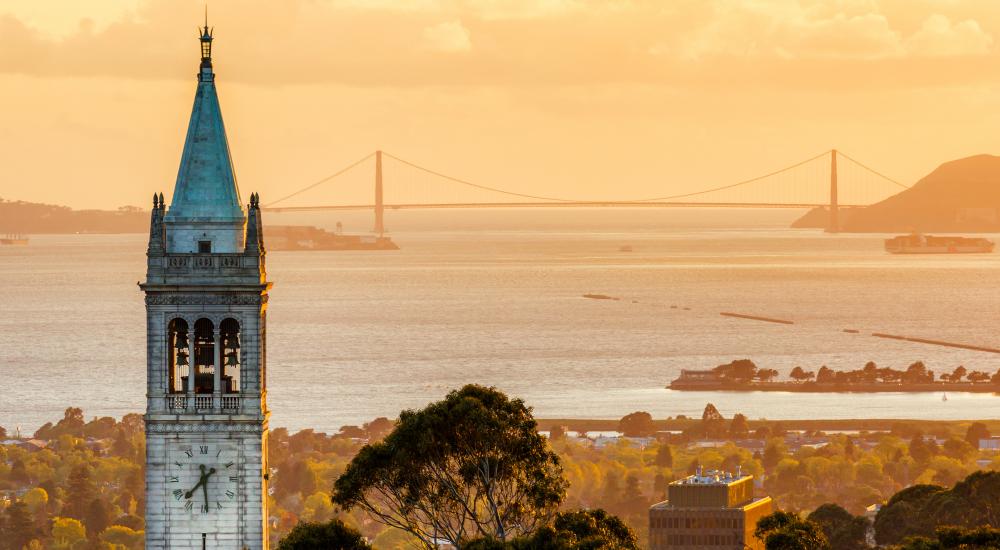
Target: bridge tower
{"points": [[379, 207], [834, 225]]}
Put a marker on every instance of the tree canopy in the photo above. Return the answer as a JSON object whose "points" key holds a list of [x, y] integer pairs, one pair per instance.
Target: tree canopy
{"points": [[637, 424], [471, 465], [787, 531], [333, 535], [843, 530], [577, 530]]}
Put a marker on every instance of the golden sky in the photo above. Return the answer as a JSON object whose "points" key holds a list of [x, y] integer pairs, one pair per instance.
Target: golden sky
{"points": [[591, 99]]}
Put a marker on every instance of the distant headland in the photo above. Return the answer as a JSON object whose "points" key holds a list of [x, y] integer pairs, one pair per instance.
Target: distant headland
{"points": [[33, 218], [959, 196]]}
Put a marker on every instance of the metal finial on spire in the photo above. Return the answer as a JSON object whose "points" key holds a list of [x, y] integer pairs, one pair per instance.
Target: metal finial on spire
{"points": [[206, 41]]}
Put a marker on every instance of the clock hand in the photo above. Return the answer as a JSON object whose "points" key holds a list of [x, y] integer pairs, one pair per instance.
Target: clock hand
{"points": [[201, 481], [204, 483]]}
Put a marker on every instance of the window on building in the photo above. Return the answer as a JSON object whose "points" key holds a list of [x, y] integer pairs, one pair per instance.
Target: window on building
{"points": [[204, 247], [204, 356], [231, 355], [178, 365]]}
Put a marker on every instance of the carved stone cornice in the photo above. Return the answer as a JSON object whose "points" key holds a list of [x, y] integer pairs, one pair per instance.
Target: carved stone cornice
{"points": [[204, 427], [206, 299]]}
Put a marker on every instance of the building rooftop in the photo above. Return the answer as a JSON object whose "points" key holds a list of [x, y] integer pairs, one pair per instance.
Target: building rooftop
{"points": [[712, 477]]}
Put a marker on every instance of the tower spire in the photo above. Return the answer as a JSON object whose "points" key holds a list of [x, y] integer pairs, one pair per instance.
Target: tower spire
{"points": [[206, 194]]}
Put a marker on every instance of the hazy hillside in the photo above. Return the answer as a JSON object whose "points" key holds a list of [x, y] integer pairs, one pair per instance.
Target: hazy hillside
{"points": [[959, 196], [29, 217]]}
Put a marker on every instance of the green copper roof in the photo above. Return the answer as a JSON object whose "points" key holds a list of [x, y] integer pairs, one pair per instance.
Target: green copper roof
{"points": [[206, 182]]}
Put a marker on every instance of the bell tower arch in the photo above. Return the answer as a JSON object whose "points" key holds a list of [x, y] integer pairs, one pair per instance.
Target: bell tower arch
{"points": [[206, 293]]}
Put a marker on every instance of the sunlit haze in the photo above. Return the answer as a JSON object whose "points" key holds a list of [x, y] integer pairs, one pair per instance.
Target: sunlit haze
{"points": [[592, 100]]}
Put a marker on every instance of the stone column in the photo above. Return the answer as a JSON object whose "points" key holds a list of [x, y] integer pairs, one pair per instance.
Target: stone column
{"points": [[217, 380], [191, 369]]}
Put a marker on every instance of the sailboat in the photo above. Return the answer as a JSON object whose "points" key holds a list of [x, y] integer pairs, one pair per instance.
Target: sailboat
{"points": [[944, 397]]}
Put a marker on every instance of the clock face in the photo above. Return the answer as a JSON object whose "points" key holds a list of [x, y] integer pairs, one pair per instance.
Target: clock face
{"points": [[203, 478]]}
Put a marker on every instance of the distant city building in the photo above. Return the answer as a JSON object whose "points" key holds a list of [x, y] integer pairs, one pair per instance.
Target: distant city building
{"points": [[991, 444], [711, 509]]}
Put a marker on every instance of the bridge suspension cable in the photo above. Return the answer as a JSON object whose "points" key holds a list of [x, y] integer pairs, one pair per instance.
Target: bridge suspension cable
{"points": [[476, 185], [873, 171], [737, 184], [320, 182]]}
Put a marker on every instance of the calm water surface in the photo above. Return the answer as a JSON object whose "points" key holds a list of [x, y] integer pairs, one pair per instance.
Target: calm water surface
{"points": [[355, 335]]}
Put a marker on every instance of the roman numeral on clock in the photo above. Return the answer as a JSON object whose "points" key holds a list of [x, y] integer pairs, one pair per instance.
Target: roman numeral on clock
{"points": [[230, 494], [178, 493], [203, 449], [229, 465], [189, 453], [188, 506], [174, 479], [234, 479]]}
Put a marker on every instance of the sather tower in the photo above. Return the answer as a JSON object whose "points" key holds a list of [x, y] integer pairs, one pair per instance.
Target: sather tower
{"points": [[206, 298]]}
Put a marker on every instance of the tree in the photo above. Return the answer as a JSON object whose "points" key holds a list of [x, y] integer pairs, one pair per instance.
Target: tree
{"points": [[958, 448], [955, 538], [825, 375], [739, 428], [765, 375], [333, 535], [79, 493], [637, 424], [713, 424], [919, 449], [978, 377], [801, 375], [378, 428], [843, 530], [576, 530], [119, 536], [66, 532], [786, 531], [20, 529], [958, 374], [976, 431], [900, 517], [664, 456], [98, 516], [470, 465], [917, 373], [739, 371]]}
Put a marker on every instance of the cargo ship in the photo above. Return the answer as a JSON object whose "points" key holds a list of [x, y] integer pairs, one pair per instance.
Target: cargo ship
{"points": [[14, 238], [306, 237], [917, 243]]}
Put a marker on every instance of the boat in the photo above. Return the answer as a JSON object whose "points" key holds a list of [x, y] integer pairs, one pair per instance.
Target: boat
{"points": [[917, 243], [14, 239], [944, 397]]}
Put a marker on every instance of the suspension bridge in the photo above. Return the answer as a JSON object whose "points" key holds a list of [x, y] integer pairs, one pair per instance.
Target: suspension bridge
{"points": [[814, 182]]}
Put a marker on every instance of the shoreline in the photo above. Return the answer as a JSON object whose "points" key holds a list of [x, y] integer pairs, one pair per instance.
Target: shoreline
{"points": [[816, 387], [854, 424]]}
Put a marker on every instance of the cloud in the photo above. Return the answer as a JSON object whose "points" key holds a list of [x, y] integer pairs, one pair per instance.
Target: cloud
{"points": [[799, 43], [939, 37], [450, 36]]}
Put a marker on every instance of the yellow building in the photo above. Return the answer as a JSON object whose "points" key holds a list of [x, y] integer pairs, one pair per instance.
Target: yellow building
{"points": [[709, 510]]}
